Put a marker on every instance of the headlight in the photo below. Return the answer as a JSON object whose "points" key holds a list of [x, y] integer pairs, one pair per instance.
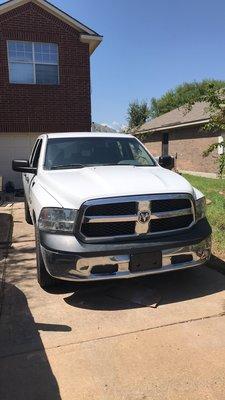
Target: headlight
{"points": [[200, 205], [57, 220]]}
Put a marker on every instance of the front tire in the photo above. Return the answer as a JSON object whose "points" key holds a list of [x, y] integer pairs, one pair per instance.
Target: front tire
{"points": [[45, 280]]}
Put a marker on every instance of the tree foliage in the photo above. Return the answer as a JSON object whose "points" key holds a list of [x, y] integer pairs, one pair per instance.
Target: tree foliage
{"points": [[137, 114], [181, 95], [216, 106]]}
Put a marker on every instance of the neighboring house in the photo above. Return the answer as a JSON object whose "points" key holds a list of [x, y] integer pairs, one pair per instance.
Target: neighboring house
{"points": [[44, 77], [101, 128], [180, 134]]}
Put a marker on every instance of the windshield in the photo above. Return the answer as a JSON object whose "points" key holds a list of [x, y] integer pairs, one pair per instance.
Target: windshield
{"points": [[87, 151]]}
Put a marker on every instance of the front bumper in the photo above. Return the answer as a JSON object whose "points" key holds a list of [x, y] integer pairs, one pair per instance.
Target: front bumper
{"points": [[68, 259]]}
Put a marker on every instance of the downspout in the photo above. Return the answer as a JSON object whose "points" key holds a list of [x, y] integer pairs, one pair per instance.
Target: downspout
{"points": [[165, 144]]}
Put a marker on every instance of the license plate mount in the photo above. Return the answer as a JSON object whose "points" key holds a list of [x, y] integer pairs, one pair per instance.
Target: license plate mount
{"points": [[146, 261]]}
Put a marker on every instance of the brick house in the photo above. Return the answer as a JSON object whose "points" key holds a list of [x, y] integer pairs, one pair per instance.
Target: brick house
{"points": [[180, 134], [44, 76]]}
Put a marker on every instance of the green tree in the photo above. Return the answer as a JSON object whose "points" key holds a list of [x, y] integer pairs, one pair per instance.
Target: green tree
{"points": [[181, 95], [216, 106], [137, 114]]}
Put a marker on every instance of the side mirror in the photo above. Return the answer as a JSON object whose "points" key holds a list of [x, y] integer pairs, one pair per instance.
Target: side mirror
{"points": [[166, 162], [23, 166]]}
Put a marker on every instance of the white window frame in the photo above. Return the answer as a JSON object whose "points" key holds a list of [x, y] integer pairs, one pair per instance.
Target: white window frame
{"points": [[221, 149], [33, 63]]}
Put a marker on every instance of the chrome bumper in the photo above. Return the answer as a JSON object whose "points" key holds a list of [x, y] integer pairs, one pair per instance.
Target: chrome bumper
{"points": [[81, 269]]}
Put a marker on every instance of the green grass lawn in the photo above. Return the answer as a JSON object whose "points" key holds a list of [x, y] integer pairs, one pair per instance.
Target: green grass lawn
{"points": [[215, 211]]}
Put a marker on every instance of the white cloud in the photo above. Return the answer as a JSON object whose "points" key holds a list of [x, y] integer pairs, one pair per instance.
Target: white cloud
{"points": [[115, 125]]}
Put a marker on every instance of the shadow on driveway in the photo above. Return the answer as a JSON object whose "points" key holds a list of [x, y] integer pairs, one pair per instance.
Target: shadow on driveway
{"points": [[25, 369], [25, 372], [152, 291]]}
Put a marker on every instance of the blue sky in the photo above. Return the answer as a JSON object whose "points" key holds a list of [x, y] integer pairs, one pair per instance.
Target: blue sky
{"points": [[149, 47]]}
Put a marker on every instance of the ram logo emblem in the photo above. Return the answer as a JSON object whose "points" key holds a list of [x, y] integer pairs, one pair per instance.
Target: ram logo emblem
{"points": [[144, 216]]}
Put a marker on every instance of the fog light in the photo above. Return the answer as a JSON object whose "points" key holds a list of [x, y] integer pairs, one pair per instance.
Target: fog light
{"points": [[203, 254], [181, 258], [104, 269]]}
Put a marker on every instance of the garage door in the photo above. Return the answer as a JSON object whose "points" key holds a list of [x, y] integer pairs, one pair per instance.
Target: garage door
{"points": [[14, 146]]}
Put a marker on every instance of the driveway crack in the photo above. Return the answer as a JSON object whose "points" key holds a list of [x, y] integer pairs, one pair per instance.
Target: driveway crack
{"points": [[37, 351]]}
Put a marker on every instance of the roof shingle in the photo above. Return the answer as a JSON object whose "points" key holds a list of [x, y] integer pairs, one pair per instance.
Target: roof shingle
{"points": [[199, 113]]}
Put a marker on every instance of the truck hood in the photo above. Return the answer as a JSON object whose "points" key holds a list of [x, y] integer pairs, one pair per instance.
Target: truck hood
{"points": [[71, 188]]}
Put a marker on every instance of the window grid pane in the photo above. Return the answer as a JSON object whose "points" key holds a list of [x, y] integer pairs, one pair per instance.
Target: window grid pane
{"points": [[21, 73], [46, 74], [33, 63], [46, 53], [20, 51]]}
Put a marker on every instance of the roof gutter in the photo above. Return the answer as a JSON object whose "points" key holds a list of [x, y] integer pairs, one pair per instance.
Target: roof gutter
{"points": [[93, 41], [170, 127]]}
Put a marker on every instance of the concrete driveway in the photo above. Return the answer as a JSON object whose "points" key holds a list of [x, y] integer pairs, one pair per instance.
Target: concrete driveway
{"points": [[157, 338]]}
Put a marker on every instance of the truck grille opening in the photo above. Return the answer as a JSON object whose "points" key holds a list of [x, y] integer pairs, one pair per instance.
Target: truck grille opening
{"points": [[108, 229], [112, 209], [142, 215], [169, 224], [169, 205]]}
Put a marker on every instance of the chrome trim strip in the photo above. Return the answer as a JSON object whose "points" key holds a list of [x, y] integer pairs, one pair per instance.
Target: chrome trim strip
{"points": [[111, 218], [137, 198], [171, 214], [134, 218]]}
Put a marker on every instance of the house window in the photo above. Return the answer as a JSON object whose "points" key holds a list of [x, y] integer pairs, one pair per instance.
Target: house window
{"points": [[33, 63]]}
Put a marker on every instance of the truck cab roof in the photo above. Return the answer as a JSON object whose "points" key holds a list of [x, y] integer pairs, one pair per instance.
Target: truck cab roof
{"points": [[85, 134]]}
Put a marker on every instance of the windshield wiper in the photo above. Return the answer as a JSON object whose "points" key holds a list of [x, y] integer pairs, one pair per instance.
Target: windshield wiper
{"points": [[132, 165], [145, 165], [68, 166]]}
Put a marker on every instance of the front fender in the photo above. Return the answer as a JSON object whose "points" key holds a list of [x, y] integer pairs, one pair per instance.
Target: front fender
{"points": [[40, 198]]}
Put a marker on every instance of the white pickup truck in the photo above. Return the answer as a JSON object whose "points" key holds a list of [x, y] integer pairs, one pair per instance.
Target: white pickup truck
{"points": [[103, 208]]}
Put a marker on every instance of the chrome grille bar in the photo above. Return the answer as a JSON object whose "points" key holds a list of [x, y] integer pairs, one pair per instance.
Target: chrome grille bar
{"points": [[112, 218], [129, 218], [171, 214]]}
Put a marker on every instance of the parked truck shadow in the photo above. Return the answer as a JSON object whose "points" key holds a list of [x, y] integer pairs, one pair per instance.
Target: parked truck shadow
{"points": [[150, 291], [25, 369]]}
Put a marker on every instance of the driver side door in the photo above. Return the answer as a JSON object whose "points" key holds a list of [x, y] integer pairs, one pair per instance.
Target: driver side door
{"points": [[28, 178]]}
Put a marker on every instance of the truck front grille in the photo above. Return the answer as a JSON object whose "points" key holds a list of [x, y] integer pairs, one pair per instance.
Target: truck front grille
{"points": [[135, 217]]}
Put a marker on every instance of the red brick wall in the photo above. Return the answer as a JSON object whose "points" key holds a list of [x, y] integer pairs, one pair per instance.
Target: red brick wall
{"points": [[45, 108], [188, 144]]}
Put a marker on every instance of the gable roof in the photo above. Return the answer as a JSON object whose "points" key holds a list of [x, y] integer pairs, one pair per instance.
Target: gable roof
{"points": [[179, 117], [87, 35]]}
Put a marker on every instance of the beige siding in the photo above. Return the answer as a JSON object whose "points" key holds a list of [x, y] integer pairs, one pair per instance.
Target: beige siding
{"points": [[14, 146]]}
